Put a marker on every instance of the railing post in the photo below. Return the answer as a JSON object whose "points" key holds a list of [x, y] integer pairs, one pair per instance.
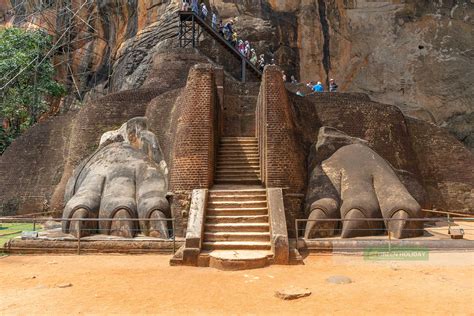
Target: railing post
{"points": [[389, 238], [79, 238], [174, 236], [449, 225], [194, 32], [243, 70], [296, 233]]}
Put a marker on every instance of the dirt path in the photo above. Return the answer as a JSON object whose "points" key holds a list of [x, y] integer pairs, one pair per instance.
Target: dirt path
{"points": [[147, 284]]}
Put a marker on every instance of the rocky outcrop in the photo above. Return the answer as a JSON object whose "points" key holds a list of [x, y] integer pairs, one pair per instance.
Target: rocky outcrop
{"points": [[414, 54]]}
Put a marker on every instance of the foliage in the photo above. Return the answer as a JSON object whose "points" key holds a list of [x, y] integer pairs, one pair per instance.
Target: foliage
{"points": [[26, 80]]}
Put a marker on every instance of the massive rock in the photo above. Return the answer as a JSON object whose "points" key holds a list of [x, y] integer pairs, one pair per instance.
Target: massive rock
{"points": [[414, 54]]}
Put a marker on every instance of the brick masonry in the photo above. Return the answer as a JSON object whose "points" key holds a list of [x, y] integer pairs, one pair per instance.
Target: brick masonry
{"points": [[192, 162], [282, 157]]}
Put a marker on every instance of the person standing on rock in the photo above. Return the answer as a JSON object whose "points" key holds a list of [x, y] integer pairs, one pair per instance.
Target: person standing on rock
{"points": [[318, 87], [293, 80], [332, 86]]}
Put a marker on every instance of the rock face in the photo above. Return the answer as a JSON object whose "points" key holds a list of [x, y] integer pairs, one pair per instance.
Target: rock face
{"points": [[415, 54], [148, 77]]}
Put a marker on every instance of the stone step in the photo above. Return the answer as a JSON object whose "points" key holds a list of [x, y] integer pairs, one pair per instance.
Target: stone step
{"points": [[249, 211], [239, 157], [239, 177], [221, 245], [238, 146], [239, 149], [232, 260], [245, 166], [248, 181], [238, 163], [237, 227], [242, 161], [213, 219], [237, 152], [236, 197], [236, 204], [238, 174], [237, 236], [238, 139], [237, 192]]}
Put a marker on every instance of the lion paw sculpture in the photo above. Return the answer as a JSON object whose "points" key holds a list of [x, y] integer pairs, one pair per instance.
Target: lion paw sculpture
{"points": [[122, 181], [350, 181]]}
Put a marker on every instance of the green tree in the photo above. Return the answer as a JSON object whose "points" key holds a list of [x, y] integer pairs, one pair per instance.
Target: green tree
{"points": [[26, 80]]}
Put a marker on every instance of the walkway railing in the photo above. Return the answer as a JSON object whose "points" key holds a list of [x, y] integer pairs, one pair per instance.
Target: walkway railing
{"points": [[189, 34], [49, 229], [428, 228]]}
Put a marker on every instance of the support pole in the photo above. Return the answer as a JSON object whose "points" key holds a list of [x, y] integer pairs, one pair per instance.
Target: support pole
{"points": [[194, 32]]}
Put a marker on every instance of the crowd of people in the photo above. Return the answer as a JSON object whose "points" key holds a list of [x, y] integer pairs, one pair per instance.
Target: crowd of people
{"points": [[243, 46], [227, 32], [319, 87]]}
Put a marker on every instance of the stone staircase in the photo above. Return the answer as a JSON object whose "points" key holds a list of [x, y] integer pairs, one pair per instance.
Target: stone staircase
{"points": [[238, 161], [237, 220]]}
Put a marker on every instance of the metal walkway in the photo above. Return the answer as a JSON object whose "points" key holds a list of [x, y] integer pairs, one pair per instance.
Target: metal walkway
{"points": [[191, 26]]}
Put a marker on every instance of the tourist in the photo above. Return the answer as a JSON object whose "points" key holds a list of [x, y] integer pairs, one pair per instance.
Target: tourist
{"points": [[195, 6], [247, 49], [299, 93], [204, 11], [221, 28], [283, 75], [241, 47], [332, 86], [228, 31], [234, 39], [310, 85], [214, 21], [185, 5], [318, 87], [261, 62], [293, 80], [253, 56]]}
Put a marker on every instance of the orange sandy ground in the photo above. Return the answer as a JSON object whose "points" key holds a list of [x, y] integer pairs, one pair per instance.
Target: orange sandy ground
{"points": [[106, 284]]}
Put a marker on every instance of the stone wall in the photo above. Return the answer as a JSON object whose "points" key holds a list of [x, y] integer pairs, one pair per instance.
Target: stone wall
{"points": [[447, 167], [32, 166], [239, 108], [282, 157], [192, 162]]}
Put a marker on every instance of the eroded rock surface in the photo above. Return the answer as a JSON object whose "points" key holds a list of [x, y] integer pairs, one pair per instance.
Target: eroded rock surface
{"points": [[415, 54]]}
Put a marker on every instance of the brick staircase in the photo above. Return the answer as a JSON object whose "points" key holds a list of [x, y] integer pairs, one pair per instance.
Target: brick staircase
{"points": [[238, 161], [237, 220]]}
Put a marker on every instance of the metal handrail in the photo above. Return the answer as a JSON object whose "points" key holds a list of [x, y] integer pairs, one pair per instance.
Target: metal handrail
{"points": [[426, 219], [35, 220], [212, 31]]}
